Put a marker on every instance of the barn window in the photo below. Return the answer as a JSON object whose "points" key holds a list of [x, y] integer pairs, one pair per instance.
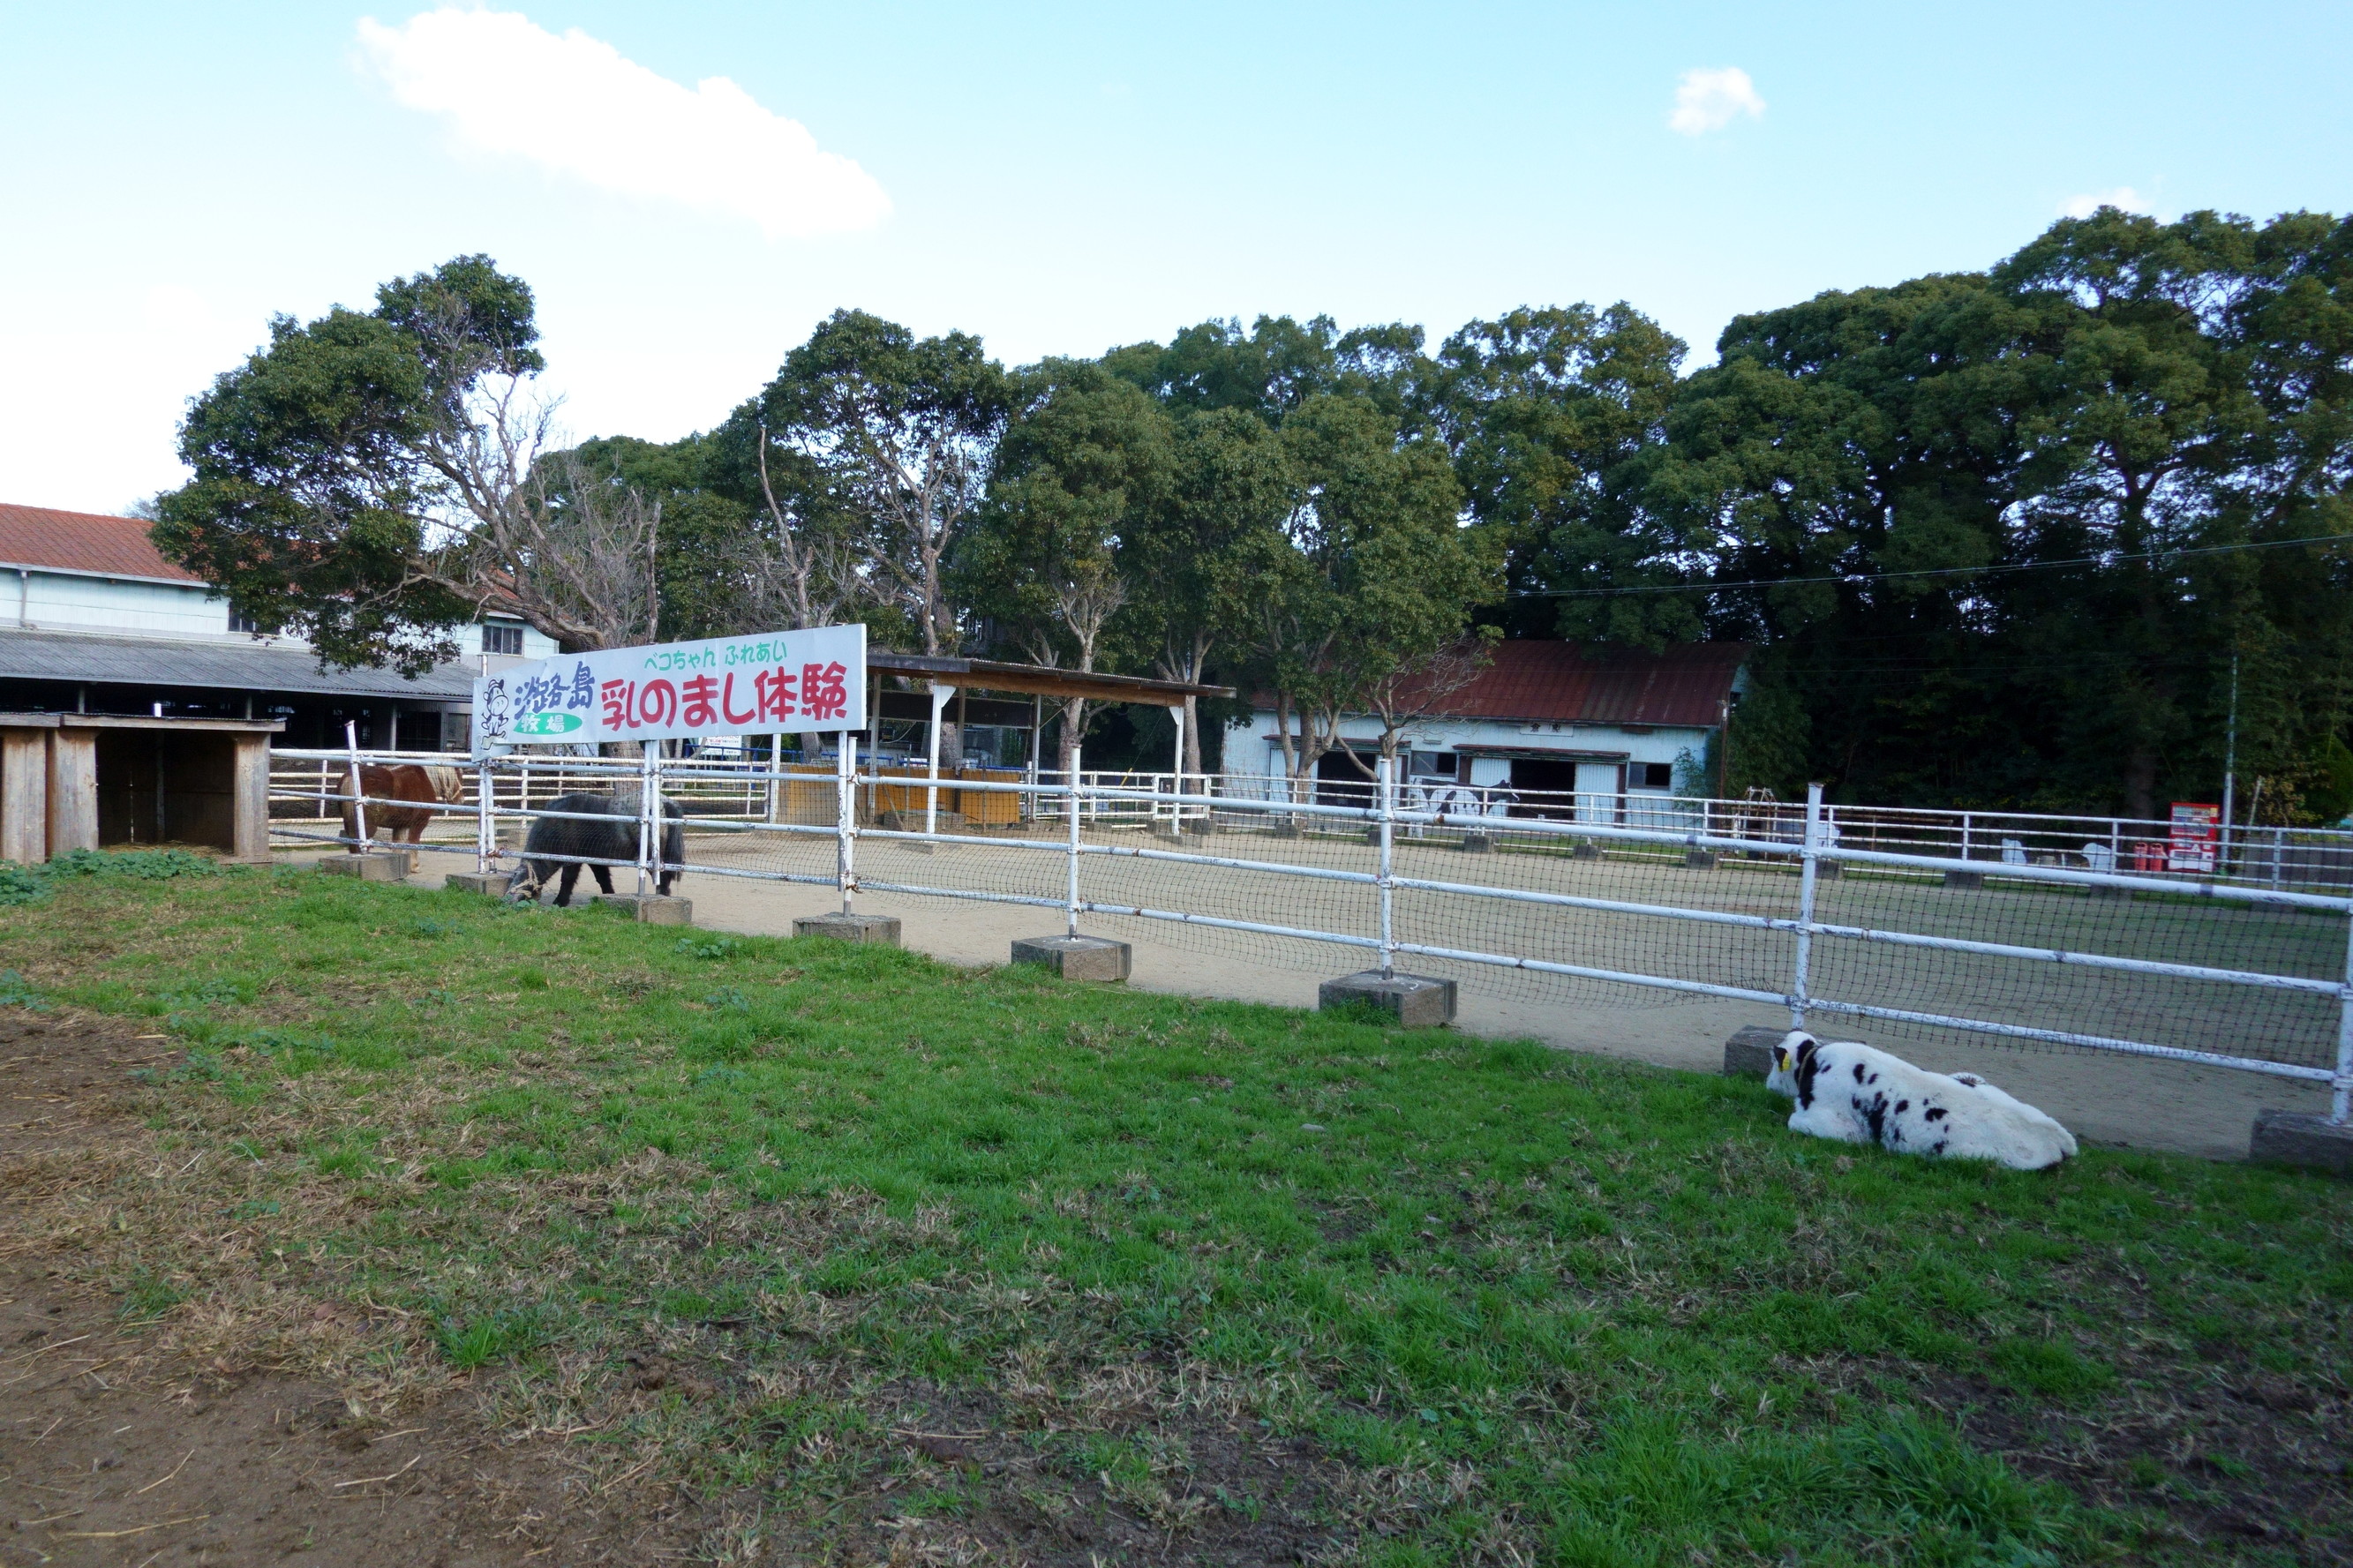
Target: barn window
{"points": [[1658, 775], [238, 621], [498, 637]]}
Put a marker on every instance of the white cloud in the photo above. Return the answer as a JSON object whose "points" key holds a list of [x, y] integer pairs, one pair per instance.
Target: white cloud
{"points": [[572, 105], [2123, 196], [1708, 98]]}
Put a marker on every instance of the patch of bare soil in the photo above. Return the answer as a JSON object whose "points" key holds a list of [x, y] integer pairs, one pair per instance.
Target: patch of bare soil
{"points": [[2242, 1464], [113, 1451], [1230, 1495]]}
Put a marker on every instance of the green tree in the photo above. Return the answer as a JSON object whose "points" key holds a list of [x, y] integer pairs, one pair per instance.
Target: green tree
{"points": [[1085, 462], [899, 432], [373, 479], [1202, 561], [1377, 606], [1545, 411]]}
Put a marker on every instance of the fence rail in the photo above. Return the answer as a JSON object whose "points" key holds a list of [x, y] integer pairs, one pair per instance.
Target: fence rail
{"points": [[1760, 903], [2258, 855]]}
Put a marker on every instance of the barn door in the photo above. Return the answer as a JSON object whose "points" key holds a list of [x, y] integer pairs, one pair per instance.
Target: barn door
{"points": [[1598, 786]]}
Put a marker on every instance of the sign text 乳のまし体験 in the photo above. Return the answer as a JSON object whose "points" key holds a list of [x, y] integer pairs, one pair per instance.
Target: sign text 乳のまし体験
{"points": [[804, 681]]}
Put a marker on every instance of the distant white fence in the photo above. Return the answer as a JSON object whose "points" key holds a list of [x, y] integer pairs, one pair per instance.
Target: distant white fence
{"points": [[2308, 858], [1808, 908]]}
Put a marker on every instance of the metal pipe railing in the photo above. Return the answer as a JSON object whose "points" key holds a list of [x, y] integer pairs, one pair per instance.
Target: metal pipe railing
{"points": [[1085, 799]]}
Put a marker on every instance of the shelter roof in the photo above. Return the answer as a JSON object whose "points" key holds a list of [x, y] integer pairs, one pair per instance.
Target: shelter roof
{"points": [[86, 656], [93, 542], [1040, 679]]}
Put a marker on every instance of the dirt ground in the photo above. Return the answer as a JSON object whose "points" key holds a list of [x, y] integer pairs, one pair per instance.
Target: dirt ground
{"points": [[115, 1451]]}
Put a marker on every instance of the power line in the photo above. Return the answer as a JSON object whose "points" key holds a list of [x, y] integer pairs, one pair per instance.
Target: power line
{"points": [[1930, 572]]}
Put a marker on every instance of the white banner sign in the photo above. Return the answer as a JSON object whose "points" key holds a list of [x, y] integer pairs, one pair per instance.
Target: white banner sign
{"points": [[801, 681]]}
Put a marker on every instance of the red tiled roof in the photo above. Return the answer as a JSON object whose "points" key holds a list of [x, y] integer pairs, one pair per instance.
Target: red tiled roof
{"points": [[1561, 682], [82, 541]]}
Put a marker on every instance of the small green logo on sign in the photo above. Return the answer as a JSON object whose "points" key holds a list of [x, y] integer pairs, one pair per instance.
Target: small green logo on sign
{"points": [[548, 724]]}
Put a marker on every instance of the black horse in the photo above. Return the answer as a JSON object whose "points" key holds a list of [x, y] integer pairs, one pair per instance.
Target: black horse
{"points": [[613, 840]]}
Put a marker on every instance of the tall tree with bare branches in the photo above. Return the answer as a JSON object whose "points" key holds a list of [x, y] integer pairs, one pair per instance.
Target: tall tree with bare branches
{"points": [[374, 480], [903, 430]]}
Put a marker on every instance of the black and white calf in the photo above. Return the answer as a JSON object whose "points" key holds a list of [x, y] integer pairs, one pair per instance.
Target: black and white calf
{"points": [[1857, 1094]]}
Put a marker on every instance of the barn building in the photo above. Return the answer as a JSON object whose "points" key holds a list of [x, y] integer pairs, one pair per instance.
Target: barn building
{"points": [[94, 621], [1544, 728]]}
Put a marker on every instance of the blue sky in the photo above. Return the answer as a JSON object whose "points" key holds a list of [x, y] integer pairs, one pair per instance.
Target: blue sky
{"points": [[1057, 178]]}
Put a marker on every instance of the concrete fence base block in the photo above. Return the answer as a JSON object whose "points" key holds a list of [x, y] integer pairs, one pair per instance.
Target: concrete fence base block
{"points": [[2291, 1138], [1964, 878], [1700, 859], [374, 867], [651, 908], [1078, 957], [491, 883], [2121, 895], [882, 929], [1419, 1001], [1749, 1052], [1477, 844], [1589, 850]]}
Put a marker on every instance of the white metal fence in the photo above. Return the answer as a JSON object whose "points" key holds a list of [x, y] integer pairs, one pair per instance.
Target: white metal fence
{"points": [[1771, 904], [2307, 859]]}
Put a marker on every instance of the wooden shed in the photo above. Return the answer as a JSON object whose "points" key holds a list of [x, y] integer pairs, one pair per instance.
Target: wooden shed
{"points": [[91, 781]]}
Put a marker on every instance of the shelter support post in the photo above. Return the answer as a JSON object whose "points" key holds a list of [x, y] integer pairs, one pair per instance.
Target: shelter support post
{"points": [[940, 695]]}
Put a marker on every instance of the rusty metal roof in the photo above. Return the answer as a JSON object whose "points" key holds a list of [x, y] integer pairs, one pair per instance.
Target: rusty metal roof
{"points": [[105, 546], [1535, 681]]}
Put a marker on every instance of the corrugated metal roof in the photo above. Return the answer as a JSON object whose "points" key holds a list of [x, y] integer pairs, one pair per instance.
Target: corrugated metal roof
{"points": [[83, 542], [1535, 681], [1683, 685], [223, 666]]}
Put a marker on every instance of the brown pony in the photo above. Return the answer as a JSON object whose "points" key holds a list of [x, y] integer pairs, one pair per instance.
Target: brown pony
{"points": [[432, 788]]}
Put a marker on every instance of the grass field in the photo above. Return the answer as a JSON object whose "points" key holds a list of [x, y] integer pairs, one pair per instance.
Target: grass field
{"points": [[880, 1259]]}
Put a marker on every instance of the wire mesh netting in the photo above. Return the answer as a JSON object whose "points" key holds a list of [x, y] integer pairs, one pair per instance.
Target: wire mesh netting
{"points": [[1267, 886]]}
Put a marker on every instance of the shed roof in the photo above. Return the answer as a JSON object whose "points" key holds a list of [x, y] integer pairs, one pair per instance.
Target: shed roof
{"points": [[222, 665], [1535, 680], [90, 541]]}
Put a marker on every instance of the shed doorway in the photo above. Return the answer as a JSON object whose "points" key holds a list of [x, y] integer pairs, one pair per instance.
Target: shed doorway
{"points": [[164, 786]]}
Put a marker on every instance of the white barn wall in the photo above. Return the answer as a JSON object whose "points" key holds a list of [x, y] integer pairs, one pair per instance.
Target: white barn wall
{"points": [[125, 606], [1249, 755]]}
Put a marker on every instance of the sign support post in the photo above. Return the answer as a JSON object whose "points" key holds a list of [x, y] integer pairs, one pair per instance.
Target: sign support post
{"points": [[844, 826]]}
